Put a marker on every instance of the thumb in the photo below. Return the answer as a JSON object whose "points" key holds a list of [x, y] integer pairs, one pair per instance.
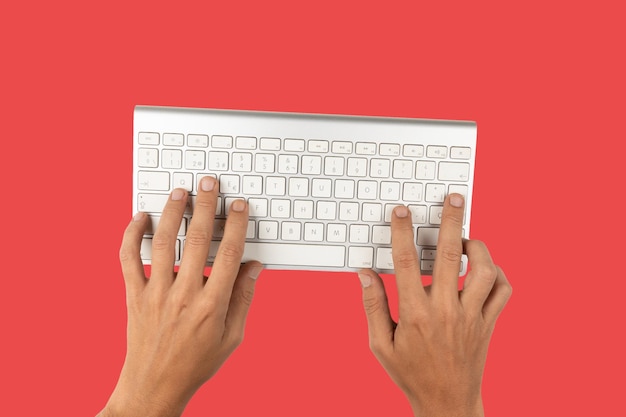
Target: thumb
{"points": [[379, 322]]}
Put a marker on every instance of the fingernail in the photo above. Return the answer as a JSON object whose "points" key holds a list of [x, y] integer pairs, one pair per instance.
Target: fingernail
{"points": [[255, 271], [177, 194], [207, 184], [138, 216], [366, 279], [238, 205], [456, 200], [401, 211]]}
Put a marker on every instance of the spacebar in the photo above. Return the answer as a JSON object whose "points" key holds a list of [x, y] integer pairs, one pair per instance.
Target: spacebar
{"points": [[289, 254]]}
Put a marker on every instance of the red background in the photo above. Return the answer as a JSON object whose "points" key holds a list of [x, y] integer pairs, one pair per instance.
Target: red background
{"points": [[544, 81]]}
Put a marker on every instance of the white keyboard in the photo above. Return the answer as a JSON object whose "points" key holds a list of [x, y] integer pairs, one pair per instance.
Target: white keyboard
{"points": [[320, 188]]}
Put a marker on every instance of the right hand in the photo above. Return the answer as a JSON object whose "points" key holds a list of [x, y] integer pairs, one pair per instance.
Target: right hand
{"points": [[436, 352]]}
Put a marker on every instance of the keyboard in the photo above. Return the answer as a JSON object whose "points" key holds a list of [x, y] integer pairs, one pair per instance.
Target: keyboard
{"points": [[320, 188]]}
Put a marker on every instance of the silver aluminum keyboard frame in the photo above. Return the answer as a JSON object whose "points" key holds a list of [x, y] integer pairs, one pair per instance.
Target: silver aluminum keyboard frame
{"points": [[258, 124]]}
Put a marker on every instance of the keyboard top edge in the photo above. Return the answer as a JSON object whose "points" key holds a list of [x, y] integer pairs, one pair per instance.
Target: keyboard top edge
{"points": [[154, 110]]}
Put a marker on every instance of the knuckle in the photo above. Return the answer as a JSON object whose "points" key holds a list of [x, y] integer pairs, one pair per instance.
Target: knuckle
{"points": [[197, 237], [246, 295], [377, 347], [453, 217], [372, 305], [230, 252], [126, 253], [487, 272], [450, 254], [204, 203], [161, 242], [405, 259], [235, 340]]}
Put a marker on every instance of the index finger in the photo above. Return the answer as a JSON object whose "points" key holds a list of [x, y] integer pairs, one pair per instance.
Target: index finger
{"points": [[406, 262], [449, 248], [227, 262]]}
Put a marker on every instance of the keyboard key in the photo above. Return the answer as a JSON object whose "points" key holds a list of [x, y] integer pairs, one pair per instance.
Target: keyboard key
{"points": [[427, 236], [172, 159], [360, 257], [298, 187], [198, 141], [270, 144], [321, 187], [294, 145], [229, 184], [182, 180], [357, 167], [381, 235], [453, 171], [290, 231], [425, 170], [333, 166], [245, 142], [194, 160], [264, 163], [173, 139], [380, 168], [342, 147], [148, 138], [389, 149], [435, 193], [153, 180], [242, 162], [148, 157], [303, 209], [318, 146], [384, 260], [367, 190], [359, 233], [267, 230], [460, 152], [153, 224], [336, 233], [257, 207], [365, 148], [436, 151], [154, 203], [218, 161], [223, 142], [294, 254], [314, 232], [287, 164], [326, 210], [403, 169], [414, 151]]}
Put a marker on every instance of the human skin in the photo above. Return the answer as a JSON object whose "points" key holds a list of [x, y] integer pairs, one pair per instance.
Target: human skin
{"points": [[181, 330], [182, 327], [436, 352]]}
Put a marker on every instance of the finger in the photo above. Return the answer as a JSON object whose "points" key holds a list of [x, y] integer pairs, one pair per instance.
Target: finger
{"points": [[379, 322], [498, 297], [199, 234], [481, 277], [405, 260], [164, 239], [449, 249], [227, 262], [240, 301], [130, 258]]}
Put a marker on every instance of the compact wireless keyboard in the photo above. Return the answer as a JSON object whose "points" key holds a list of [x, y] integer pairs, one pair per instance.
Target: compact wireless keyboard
{"points": [[320, 188]]}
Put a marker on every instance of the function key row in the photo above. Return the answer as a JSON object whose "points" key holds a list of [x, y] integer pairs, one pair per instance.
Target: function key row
{"points": [[300, 145]]}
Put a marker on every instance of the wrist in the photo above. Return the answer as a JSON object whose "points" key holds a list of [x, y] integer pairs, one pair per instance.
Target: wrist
{"points": [[131, 403], [450, 407]]}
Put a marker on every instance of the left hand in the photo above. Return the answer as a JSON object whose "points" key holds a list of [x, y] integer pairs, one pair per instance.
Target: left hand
{"points": [[181, 330]]}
